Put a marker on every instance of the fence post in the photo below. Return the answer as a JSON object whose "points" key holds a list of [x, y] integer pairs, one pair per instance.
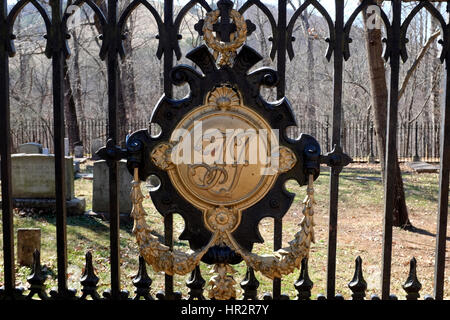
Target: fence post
{"points": [[391, 147], [444, 172]]}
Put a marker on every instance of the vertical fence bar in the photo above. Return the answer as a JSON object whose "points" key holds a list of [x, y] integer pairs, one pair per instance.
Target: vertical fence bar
{"points": [[168, 91], [391, 145], [335, 140], [5, 151], [439, 271], [281, 92], [57, 38], [113, 82]]}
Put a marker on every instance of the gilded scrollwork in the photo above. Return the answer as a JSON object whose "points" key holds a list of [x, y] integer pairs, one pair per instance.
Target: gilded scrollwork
{"points": [[222, 285], [161, 156], [287, 159]]}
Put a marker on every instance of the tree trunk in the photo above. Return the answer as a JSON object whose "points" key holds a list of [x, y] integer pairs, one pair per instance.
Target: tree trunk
{"points": [[435, 80], [70, 110], [379, 101], [311, 98]]}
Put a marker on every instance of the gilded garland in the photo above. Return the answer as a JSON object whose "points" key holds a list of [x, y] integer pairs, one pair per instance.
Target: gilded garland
{"points": [[227, 50], [222, 187], [221, 191], [161, 258]]}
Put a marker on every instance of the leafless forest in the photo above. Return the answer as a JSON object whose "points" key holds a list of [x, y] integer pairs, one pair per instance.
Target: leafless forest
{"points": [[309, 74]]}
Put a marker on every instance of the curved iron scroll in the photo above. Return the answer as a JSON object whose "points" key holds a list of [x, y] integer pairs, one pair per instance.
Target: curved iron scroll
{"points": [[127, 12], [351, 20], [296, 15], [97, 12], [437, 15], [247, 5], [12, 18]]}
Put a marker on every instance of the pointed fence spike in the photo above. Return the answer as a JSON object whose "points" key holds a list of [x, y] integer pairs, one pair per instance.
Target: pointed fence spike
{"points": [[196, 284], [37, 278], [304, 284], [142, 282], [250, 285], [89, 280], [358, 285], [412, 285]]}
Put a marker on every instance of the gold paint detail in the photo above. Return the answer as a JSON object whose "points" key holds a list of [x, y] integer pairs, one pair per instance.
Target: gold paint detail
{"points": [[159, 256], [285, 260], [223, 98], [161, 156], [222, 219], [225, 176], [287, 159], [162, 258], [221, 286], [226, 50]]}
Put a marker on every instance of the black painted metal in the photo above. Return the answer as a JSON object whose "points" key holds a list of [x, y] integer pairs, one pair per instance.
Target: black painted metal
{"points": [[89, 280], [37, 279], [412, 285], [142, 282], [167, 116], [196, 284], [391, 147], [250, 285], [358, 285], [304, 284], [336, 142], [5, 149], [444, 181]]}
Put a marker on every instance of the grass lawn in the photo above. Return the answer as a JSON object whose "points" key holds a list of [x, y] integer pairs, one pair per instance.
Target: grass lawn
{"points": [[360, 231]]}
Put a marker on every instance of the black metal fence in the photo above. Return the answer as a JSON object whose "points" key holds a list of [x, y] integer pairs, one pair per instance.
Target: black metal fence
{"points": [[112, 23], [415, 141]]}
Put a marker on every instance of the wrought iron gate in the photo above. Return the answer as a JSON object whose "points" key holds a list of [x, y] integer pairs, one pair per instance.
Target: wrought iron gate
{"points": [[230, 80]]}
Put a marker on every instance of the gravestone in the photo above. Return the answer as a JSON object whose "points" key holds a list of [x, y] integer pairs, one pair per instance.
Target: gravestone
{"points": [[33, 184], [30, 148], [100, 195], [423, 167], [28, 240], [95, 145], [78, 150], [66, 147]]}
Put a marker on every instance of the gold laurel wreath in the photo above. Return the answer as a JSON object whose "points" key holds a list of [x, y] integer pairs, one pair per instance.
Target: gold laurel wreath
{"points": [[162, 258], [227, 50]]}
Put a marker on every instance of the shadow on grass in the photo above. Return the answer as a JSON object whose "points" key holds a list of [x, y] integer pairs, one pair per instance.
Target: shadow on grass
{"points": [[424, 232]]}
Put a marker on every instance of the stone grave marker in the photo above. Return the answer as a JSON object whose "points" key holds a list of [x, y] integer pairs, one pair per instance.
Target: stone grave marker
{"points": [[78, 150], [33, 184], [95, 145], [66, 147], [100, 195], [28, 240], [30, 148]]}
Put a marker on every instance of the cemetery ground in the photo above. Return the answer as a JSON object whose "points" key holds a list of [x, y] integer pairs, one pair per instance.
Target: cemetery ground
{"points": [[360, 231]]}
